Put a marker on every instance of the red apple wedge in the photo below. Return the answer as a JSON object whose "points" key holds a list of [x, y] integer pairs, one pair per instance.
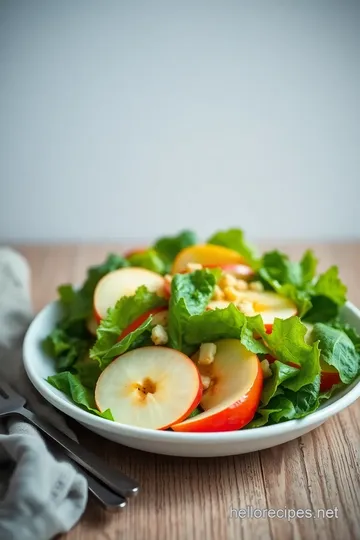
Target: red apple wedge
{"points": [[123, 282], [205, 254], [159, 316], [269, 305], [234, 392], [150, 387]]}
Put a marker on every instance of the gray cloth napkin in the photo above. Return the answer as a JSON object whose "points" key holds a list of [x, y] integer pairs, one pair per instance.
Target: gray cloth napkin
{"points": [[40, 496]]}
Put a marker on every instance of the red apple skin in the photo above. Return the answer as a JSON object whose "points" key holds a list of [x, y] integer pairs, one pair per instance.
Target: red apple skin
{"points": [[135, 324], [329, 377], [233, 417]]}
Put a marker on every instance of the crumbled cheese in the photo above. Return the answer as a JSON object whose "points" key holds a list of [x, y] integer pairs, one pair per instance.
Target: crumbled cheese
{"points": [[256, 286], [227, 280], [246, 307], [231, 294], [241, 285], [265, 367], [159, 335], [205, 380], [207, 353], [191, 267], [218, 293]]}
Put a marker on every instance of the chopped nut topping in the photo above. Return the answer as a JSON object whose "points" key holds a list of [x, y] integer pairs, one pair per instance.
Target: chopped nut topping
{"points": [[265, 367], [191, 267], [231, 294], [207, 353], [241, 285], [218, 293], [159, 335], [246, 307], [206, 381], [256, 286], [227, 280]]}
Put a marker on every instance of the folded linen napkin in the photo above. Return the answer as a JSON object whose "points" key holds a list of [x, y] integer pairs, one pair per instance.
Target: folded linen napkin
{"points": [[40, 496]]}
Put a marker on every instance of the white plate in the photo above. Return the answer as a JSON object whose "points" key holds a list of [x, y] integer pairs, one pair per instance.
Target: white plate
{"points": [[39, 366]]}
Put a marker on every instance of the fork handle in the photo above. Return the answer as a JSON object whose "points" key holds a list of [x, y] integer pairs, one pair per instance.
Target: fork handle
{"points": [[107, 498], [118, 482]]}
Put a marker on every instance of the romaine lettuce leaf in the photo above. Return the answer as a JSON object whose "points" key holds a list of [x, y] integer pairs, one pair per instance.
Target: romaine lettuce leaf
{"points": [[71, 385], [218, 324], [151, 260], [317, 298], [169, 246], [288, 405], [280, 373], [286, 343], [65, 348], [126, 311], [338, 351], [190, 294], [78, 303], [234, 239], [289, 278]]}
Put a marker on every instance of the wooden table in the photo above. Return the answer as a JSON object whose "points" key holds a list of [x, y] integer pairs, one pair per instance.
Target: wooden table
{"points": [[191, 499]]}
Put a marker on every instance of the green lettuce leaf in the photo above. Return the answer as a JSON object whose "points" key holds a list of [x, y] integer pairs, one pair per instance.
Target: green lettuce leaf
{"points": [[338, 351], [78, 303], [328, 294], [280, 373], [286, 343], [169, 246], [330, 285], [71, 385], [289, 278], [234, 239], [126, 311], [88, 371], [288, 405], [151, 260], [317, 298], [64, 348], [349, 330], [218, 324], [190, 294]]}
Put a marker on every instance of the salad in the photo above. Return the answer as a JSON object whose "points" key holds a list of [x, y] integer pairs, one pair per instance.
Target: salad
{"points": [[200, 337]]}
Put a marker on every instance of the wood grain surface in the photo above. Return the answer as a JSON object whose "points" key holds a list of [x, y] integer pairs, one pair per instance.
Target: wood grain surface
{"points": [[191, 499]]}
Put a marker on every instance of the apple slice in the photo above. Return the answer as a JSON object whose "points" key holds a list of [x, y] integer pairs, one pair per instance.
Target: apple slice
{"points": [[328, 377], [134, 251], [269, 305], [241, 271], [234, 392], [205, 254], [150, 387], [123, 282], [159, 316]]}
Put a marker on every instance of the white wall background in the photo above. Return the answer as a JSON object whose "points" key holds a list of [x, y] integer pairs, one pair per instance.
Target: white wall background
{"points": [[125, 119]]}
